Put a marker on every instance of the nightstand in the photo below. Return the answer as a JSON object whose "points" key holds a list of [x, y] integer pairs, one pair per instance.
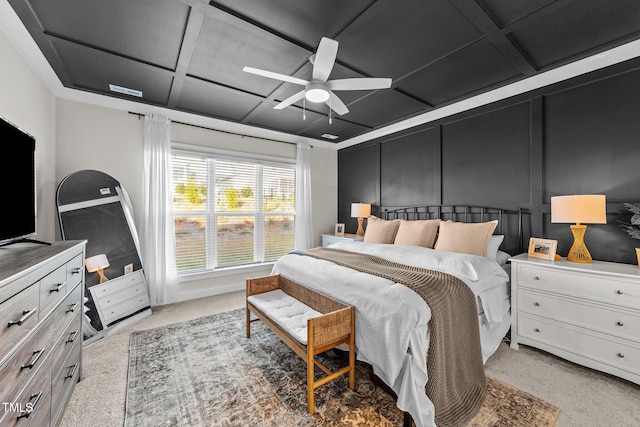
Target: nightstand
{"points": [[586, 313], [330, 239]]}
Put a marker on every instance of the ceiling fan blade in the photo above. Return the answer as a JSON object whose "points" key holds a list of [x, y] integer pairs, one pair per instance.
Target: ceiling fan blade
{"points": [[359, 84], [275, 76], [324, 59], [336, 104], [290, 100]]}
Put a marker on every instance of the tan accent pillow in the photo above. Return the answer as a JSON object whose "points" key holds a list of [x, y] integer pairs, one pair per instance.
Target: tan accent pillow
{"points": [[417, 233], [465, 238], [380, 230]]}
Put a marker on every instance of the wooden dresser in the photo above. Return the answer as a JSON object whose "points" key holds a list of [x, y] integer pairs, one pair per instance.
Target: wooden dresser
{"points": [[586, 313], [41, 303]]}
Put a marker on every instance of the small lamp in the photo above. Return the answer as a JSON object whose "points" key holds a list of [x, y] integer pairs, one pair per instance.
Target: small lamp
{"points": [[360, 210], [583, 208], [97, 264]]}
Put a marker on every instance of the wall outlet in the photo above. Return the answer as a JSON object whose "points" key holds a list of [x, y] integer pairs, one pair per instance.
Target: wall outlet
{"points": [[128, 268]]}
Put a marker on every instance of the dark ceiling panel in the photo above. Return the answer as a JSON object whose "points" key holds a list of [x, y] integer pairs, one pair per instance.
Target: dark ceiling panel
{"points": [[206, 99], [304, 21], [189, 54], [578, 28], [150, 30], [290, 119], [94, 70], [504, 12], [393, 38], [342, 129], [470, 70], [383, 107], [227, 44]]}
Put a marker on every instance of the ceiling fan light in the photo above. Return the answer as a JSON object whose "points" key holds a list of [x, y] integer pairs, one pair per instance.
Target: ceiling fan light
{"points": [[316, 92]]}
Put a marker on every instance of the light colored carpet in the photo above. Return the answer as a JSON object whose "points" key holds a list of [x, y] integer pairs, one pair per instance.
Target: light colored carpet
{"points": [[586, 397]]}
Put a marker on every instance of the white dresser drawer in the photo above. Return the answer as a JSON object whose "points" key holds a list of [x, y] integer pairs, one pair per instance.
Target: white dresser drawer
{"points": [[118, 284], [607, 289], [120, 297], [625, 324], [583, 343], [126, 308], [136, 290]]}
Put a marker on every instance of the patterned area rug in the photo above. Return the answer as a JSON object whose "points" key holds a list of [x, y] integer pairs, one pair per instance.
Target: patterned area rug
{"points": [[205, 372]]}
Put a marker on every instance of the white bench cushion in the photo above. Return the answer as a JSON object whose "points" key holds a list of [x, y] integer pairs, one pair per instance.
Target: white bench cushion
{"points": [[286, 311]]}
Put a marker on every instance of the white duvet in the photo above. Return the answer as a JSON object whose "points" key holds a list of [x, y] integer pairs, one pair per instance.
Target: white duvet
{"points": [[391, 319]]}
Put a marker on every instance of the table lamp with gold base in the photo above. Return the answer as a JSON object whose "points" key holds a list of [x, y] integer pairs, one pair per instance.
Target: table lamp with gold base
{"points": [[579, 209]]}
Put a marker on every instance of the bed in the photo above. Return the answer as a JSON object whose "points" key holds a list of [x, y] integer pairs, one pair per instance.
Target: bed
{"points": [[392, 333]]}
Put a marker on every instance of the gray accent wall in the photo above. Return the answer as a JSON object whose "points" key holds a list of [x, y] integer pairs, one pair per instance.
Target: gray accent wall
{"points": [[576, 137]]}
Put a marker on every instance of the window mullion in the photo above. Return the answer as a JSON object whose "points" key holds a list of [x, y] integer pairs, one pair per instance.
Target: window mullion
{"points": [[259, 243], [212, 218]]}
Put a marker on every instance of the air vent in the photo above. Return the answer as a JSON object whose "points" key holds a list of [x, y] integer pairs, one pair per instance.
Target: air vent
{"points": [[329, 136], [125, 90]]}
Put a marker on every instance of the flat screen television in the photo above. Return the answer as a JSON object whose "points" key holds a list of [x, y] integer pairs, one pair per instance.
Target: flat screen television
{"points": [[18, 178]]}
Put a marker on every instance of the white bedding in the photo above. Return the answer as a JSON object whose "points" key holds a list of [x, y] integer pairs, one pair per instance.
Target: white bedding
{"points": [[391, 319]]}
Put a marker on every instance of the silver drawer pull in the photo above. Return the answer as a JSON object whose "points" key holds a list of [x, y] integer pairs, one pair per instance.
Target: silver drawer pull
{"points": [[72, 371], [31, 407], [73, 308], [34, 359], [72, 337], [536, 278], [76, 270], [619, 292], [620, 355], [56, 288], [27, 314], [619, 324], [537, 304], [536, 330]]}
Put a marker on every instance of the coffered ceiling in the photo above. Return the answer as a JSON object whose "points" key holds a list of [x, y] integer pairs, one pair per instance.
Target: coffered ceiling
{"points": [[188, 55]]}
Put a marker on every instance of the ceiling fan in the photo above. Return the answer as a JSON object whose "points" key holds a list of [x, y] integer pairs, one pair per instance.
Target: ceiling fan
{"points": [[319, 88]]}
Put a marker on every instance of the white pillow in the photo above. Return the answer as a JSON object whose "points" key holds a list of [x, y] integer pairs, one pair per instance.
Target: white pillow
{"points": [[502, 257], [494, 245]]}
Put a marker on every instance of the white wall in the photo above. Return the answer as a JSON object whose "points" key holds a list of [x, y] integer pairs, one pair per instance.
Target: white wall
{"points": [[111, 141], [28, 103]]}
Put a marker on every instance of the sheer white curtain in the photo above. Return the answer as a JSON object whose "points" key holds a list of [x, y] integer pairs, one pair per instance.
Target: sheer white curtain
{"points": [[304, 225], [157, 239]]}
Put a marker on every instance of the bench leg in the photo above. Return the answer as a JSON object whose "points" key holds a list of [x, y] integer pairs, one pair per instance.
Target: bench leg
{"points": [[248, 313], [311, 386]]}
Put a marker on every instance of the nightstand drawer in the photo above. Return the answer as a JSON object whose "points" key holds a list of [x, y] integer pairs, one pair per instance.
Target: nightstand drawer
{"points": [[582, 343], [125, 308], [607, 289], [603, 319], [118, 284]]}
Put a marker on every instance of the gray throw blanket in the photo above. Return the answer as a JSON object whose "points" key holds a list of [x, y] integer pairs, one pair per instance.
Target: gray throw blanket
{"points": [[454, 359]]}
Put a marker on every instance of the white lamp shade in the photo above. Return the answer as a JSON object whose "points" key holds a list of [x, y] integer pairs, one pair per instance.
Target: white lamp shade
{"points": [[360, 210], [582, 208], [97, 262]]}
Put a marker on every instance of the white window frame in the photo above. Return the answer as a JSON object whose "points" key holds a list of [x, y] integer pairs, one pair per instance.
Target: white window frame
{"points": [[178, 148]]}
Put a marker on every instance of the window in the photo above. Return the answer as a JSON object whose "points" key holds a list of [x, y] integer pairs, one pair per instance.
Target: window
{"points": [[231, 211]]}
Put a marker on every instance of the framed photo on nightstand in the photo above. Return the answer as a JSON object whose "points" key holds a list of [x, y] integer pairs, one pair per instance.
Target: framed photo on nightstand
{"points": [[339, 230], [542, 248]]}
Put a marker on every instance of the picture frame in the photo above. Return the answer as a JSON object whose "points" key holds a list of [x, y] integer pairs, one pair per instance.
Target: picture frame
{"points": [[339, 230], [542, 248]]}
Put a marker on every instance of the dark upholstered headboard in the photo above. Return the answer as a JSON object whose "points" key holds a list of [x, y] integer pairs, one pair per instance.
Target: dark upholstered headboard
{"points": [[511, 223]]}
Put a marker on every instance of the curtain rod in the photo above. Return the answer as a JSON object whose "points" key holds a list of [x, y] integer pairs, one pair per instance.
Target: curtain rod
{"points": [[219, 130]]}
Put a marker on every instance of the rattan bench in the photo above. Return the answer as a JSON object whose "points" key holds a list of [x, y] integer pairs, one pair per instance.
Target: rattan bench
{"points": [[334, 325]]}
